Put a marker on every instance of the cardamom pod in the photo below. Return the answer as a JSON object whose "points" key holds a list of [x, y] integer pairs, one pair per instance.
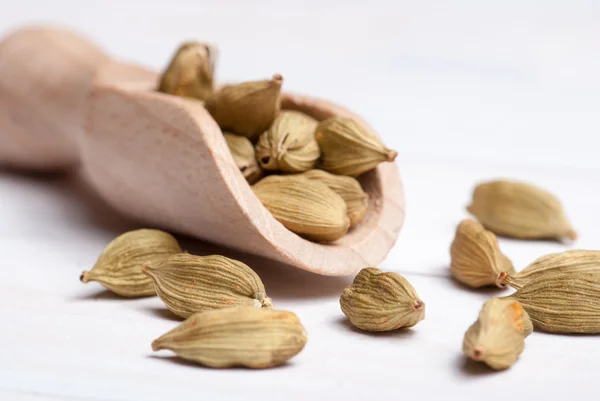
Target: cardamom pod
{"points": [[498, 336], [520, 210], [305, 207], [357, 200], [119, 266], [244, 156], [238, 336], [562, 303], [476, 259], [289, 145], [190, 72], [569, 262], [349, 149], [378, 301], [188, 284], [248, 108]]}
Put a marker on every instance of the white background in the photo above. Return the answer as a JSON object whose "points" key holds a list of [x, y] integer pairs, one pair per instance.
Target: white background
{"points": [[464, 90]]}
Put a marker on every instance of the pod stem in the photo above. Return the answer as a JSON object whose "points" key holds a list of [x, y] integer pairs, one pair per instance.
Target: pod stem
{"points": [[267, 302], [391, 155], [418, 305], [477, 354], [501, 280], [508, 280], [156, 345], [85, 277], [277, 79], [147, 269]]}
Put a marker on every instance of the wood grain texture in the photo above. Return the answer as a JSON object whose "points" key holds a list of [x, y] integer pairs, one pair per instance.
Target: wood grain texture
{"points": [[163, 160]]}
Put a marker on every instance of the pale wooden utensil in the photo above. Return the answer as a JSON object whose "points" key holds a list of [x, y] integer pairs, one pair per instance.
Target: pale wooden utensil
{"points": [[64, 104]]}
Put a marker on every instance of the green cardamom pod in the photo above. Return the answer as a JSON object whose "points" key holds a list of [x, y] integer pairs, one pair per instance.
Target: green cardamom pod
{"points": [[248, 108], [190, 72], [289, 145], [357, 200], [569, 262], [239, 336], [378, 301], [188, 284], [519, 210], [349, 149], [244, 156], [498, 336], [119, 267], [476, 259], [562, 303], [305, 207]]}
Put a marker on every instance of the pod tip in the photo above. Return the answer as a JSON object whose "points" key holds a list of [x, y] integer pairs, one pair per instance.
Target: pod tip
{"points": [[477, 354], [418, 305], [267, 302], [277, 78], [571, 234], [501, 280], [391, 155]]}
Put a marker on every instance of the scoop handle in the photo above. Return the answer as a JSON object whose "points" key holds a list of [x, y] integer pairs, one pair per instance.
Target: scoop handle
{"points": [[45, 77]]}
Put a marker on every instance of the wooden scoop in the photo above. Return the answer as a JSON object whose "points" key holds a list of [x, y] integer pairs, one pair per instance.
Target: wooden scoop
{"points": [[161, 159]]}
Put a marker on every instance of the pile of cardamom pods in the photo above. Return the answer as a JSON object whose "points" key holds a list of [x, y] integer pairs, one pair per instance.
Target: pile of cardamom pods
{"points": [[229, 319], [309, 185], [304, 172], [309, 166], [557, 293]]}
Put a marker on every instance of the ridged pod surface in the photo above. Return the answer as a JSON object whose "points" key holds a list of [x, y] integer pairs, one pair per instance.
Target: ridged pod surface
{"points": [[190, 72], [562, 303], [357, 200], [305, 207], [244, 156], [498, 336], [188, 284], [239, 336], [569, 262], [476, 259], [378, 301], [519, 210], [289, 145], [248, 108], [119, 266], [348, 149]]}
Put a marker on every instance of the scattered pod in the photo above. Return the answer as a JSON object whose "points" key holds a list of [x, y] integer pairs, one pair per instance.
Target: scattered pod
{"points": [[349, 149], [244, 156], [190, 72], [476, 258], [378, 301], [188, 284], [305, 207], [562, 303], [519, 210], [248, 108], [357, 200], [569, 262], [119, 266], [498, 336], [289, 145], [238, 336]]}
